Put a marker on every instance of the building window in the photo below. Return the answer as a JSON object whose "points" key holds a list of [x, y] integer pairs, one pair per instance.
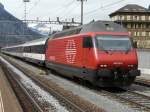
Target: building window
{"points": [[140, 25], [143, 26], [138, 34], [143, 18], [148, 17], [122, 17], [115, 18], [136, 26], [133, 25], [128, 25], [119, 17], [134, 33], [135, 17], [143, 33], [128, 17], [148, 33]]}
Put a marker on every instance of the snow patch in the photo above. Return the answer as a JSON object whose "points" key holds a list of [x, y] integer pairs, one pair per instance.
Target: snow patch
{"points": [[145, 71]]}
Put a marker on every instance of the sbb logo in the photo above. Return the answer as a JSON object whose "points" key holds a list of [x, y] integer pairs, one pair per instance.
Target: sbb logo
{"points": [[70, 51]]}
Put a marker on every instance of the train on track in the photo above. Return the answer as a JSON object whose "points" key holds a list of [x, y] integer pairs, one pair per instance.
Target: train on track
{"points": [[101, 52]]}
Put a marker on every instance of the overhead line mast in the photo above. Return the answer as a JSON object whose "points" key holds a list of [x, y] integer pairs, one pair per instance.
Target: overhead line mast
{"points": [[25, 8], [82, 1]]}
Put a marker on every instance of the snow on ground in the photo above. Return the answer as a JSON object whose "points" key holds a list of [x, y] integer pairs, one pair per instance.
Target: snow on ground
{"points": [[43, 95], [145, 73]]}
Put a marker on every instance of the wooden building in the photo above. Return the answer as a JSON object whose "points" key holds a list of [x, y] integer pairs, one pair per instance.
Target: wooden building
{"points": [[137, 20]]}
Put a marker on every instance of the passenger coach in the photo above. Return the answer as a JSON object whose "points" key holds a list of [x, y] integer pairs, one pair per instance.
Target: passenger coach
{"points": [[34, 51]]}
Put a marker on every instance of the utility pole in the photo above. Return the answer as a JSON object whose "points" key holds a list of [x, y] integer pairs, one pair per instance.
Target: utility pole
{"points": [[25, 14], [25, 8], [81, 10]]}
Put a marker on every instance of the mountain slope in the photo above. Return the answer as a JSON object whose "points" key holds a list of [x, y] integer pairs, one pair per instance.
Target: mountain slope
{"points": [[13, 31]]}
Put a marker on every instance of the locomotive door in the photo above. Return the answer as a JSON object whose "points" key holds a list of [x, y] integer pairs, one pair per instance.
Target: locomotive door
{"points": [[45, 50], [87, 45]]}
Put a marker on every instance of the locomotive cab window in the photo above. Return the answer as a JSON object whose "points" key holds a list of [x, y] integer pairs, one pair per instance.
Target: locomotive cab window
{"points": [[87, 42], [114, 43]]}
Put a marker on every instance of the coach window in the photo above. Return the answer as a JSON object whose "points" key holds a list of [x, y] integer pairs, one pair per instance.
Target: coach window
{"points": [[27, 49], [40, 49]]}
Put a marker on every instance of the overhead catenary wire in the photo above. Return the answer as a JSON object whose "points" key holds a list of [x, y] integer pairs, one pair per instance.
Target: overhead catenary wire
{"points": [[66, 6], [59, 10], [105, 6], [75, 6], [102, 7]]}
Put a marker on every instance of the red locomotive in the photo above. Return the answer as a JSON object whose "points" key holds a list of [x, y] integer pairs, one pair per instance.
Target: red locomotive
{"points": [[101, 52]]}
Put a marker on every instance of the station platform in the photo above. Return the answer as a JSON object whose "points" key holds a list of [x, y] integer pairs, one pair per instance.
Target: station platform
{"points": [[8, 100]]}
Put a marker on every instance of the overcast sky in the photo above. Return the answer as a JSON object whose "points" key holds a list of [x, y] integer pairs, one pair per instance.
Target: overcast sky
{"points": [[93, 9]]}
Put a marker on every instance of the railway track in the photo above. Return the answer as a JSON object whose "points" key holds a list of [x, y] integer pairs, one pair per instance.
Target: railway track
{"points": [[137, 101], [142, 82], [73, 107], [28, 103]]}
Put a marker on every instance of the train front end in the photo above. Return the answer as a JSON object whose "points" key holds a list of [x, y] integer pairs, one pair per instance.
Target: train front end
{"points": [[117, 60]]}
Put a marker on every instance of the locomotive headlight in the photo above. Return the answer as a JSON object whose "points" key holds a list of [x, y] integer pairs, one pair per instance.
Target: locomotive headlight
{"points": [[131, 66], [103, 66]]}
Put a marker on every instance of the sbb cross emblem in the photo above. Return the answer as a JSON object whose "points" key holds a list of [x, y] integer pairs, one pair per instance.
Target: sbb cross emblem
{"points": [[70, 51]]}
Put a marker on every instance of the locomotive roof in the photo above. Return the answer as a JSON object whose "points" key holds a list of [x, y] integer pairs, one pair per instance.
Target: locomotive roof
{"points": [[102, 26], [98, 26]]}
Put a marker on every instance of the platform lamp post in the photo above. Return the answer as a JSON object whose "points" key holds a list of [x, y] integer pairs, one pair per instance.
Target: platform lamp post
{"points": [[82, 1]]}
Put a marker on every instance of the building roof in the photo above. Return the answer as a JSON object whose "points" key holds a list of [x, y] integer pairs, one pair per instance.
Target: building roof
{"points": [[131, 8]]}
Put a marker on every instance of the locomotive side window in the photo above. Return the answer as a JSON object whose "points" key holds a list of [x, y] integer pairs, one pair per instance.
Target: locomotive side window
{"points": [[87, 42]]}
